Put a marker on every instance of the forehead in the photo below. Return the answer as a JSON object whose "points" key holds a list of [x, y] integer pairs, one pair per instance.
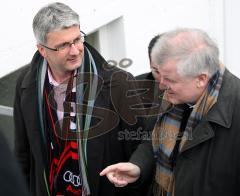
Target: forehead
{"points": [[168, 68], [63, 35]]}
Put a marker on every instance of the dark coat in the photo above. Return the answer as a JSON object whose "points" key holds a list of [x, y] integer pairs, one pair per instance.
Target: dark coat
{"points": [[11, 179], [143, 156], [103, 150], [209, 164], [150, 97], [145, 76]]}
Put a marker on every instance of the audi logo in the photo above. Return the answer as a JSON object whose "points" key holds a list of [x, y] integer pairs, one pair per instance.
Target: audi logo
{"points": [[76, 180]]}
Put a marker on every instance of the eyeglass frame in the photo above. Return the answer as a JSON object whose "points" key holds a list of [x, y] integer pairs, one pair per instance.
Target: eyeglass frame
{"points": [[68, 44]]}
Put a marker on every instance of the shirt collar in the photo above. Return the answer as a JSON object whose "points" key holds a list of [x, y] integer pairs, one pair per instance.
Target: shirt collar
{"points": [[51, 79]]}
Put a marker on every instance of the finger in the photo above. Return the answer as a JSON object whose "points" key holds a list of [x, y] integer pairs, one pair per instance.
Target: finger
{"points": [[121, 184], [108, 169], [111, 177], [114, 168], [117, 180]]}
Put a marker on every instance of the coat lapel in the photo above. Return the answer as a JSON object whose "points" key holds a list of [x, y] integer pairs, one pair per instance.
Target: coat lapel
{"points": [[29, 106], [201, 133]]}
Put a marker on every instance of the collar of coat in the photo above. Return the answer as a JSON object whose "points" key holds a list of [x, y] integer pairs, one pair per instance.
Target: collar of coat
{"points": [[222, 112]]}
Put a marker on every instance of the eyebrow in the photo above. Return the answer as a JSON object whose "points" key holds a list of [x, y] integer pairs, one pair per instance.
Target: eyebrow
{"points": [[67, 42]]}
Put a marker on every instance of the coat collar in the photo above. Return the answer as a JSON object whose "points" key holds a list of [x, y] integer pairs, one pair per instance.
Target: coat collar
{"points": [[30, 77], [221, 113]]}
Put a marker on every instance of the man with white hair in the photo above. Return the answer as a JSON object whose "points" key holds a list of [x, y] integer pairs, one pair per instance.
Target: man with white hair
{"points": [[195, 143]]}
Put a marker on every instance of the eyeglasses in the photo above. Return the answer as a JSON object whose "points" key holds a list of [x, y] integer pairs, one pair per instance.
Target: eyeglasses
{"points": [[67, 45]]}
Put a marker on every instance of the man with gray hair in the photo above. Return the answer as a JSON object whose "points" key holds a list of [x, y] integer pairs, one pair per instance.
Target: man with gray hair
{"points": [[70, 110], [194, 143]]}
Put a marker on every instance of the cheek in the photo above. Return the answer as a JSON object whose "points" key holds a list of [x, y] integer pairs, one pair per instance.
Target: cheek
{"points": [[172, 87], [60, 59], [187, 94], [178, 91]]}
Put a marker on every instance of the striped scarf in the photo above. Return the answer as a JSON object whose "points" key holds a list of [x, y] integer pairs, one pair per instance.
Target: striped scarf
{"points": [[83, 117], [85, 99], [167, 131]]}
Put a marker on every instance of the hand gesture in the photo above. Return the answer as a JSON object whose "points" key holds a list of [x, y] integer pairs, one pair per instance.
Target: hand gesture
{"points": [[121, 174]]}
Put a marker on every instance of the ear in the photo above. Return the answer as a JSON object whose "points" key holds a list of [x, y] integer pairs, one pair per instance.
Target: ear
{"points": [[202, 80], [42, 50]]}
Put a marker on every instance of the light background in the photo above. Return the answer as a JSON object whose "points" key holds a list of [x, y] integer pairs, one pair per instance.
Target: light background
{"points": [[124, 28]]}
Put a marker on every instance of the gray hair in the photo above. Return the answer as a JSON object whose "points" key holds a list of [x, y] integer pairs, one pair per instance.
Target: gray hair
{"points": [[192, 49], [53, 17]]}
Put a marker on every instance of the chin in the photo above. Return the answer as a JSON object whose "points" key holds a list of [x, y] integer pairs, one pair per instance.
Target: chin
{"points": [[74, 66], [174, 101]]}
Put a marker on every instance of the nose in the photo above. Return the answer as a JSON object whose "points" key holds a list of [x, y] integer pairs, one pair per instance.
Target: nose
{"points": [[163, 86], [75, 50]]}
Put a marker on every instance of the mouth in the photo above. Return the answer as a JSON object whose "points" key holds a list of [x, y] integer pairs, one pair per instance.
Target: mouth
{"points": [[74, 59], [169, 93]]}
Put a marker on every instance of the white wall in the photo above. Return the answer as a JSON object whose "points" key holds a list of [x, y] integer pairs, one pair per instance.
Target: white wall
{"points": [[232, 36], [141, 20], [17, 43], [152, 17], [112, 40]]}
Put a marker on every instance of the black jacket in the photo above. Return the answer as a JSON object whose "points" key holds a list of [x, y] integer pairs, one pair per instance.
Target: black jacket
{"points": [[103, 150], [11, 179], [145, 76]]}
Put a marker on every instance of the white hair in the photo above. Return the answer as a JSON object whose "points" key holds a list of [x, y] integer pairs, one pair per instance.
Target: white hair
{"points": [[192, 49], [54, 16]]}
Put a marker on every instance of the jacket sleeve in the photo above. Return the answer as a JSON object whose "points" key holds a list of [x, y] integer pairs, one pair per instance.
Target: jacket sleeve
{"points": [[144, 159], [21, 144]]}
